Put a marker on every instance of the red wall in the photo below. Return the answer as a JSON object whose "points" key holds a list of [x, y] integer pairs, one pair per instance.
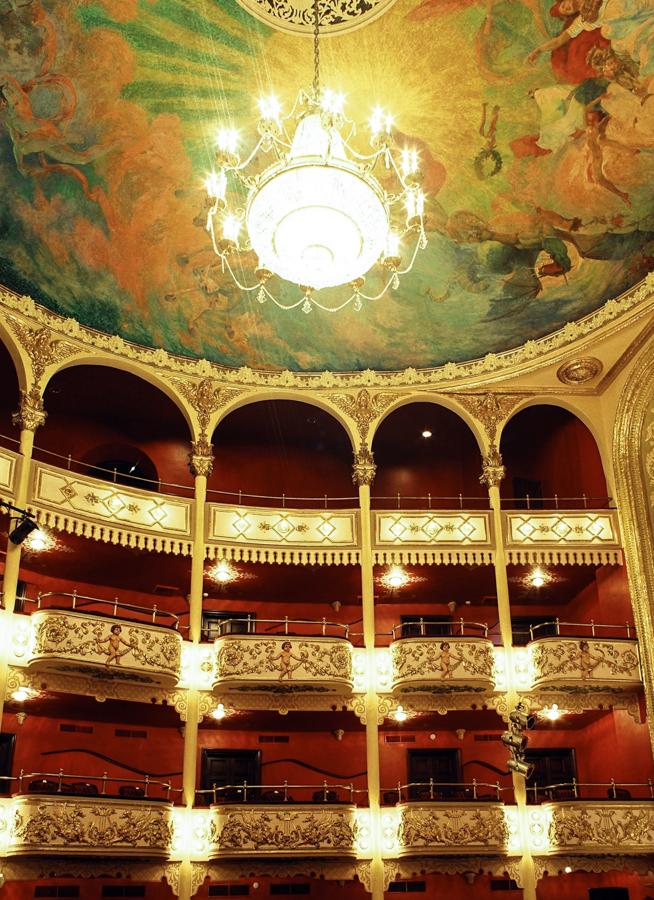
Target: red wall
{"points": [[90, 888], [575, 885]]}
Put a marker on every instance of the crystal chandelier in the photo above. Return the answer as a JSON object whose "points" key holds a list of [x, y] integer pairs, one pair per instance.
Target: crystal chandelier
{"points": [[316, 215]]}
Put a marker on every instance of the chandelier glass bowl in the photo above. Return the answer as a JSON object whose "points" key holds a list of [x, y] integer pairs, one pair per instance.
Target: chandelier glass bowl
{"points": [[316, 215]]}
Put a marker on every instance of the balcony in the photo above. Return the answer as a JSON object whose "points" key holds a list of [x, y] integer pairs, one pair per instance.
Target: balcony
{"points": [[584, 656], [72, 815], [461, 659], [283, 656], [453, 819], [284, 820], [586, 536], [593, 819], [108, 639], [433, 536]]}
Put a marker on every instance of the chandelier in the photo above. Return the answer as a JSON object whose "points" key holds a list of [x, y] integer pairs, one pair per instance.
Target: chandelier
{"points": [[312, 207]]}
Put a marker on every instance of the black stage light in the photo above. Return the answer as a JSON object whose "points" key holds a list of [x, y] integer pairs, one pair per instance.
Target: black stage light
{"points": [[24, 528]]}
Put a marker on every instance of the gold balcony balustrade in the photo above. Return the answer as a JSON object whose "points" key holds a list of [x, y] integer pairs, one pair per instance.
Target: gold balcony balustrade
{"points": [[584, 656], [287, 820], [59, 814], [573, 536], [593, 819], [441, 657], [72, 634], [283, 655]]}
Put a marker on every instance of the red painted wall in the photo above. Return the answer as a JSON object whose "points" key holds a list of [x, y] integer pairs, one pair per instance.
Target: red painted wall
{"points": [[575, 885], [90, 888]]}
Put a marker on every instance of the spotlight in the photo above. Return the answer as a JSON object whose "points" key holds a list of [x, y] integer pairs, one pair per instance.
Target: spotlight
{"points": [[24, 528], [520, 768]]}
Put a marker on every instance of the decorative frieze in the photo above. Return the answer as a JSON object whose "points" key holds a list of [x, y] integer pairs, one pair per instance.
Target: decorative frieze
{"points": [[72, 642], [427, 536], [600, 828], [287, 831], [453, 829], [442, 664], [283, 664], [584, 663], [581, 536], [102, 827], [111, 512]]}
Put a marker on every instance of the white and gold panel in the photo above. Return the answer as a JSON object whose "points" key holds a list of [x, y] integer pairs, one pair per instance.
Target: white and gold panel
{"points": [[110, 512], [430, 536], [75, 643], [584, 663], [442, 664], [598, 828], [47, 825], [7, 472], [286, 831], [583, 536], [283, 664], [453, 829]]}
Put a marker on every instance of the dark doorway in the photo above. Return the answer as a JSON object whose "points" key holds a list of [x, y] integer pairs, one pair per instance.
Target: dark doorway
{"points": [[426, 626], [231, 769], [7, 742], [552, 767], [608, 893], [442, 767]]}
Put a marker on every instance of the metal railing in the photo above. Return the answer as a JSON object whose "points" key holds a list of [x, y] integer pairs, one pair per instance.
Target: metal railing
{"points": [[556, 625], [578, 790], [250, 625], [324, 501], [428, 501], [81, 601], [458, 628], [557, 502], [452, 791], [280, 793], [61, 782]]}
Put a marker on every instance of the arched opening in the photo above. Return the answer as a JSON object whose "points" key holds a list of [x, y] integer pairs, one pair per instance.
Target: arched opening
{"points": [[100, 418], [551, 460], [278, 452], [427, 457], [9, 399]]}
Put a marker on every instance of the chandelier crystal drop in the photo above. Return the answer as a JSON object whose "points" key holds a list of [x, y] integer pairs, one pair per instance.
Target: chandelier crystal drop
{"points": [[316, 215]]}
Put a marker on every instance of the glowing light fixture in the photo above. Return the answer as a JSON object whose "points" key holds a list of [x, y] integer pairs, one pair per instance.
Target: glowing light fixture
{"points": [[317, 215], [39, 541], [568, 870], [401, 715], [537, 578], [219, 712], [223, 572], [553, 713], [395, 578], [426, 433], [22, 694]]}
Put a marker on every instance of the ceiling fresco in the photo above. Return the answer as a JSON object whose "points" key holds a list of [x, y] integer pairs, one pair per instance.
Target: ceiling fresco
{"points": [[538, 168]]}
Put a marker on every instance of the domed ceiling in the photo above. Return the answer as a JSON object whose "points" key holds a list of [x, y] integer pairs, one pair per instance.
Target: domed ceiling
{"points": [[538, 171]]}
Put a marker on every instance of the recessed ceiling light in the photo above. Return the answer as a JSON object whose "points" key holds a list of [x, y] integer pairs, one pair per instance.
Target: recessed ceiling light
{"points": [[426, 433]]}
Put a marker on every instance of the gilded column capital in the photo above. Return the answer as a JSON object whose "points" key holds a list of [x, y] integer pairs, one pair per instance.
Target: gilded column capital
{"points": [[492, 470], [30, 413], [200, 459], [364, 468]]}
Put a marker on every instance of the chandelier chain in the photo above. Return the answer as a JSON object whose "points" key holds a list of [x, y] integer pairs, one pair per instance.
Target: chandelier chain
{"points": [[316, 50]]}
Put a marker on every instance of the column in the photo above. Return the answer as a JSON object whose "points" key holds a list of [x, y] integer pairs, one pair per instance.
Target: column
{"points": [[492, 475], [200, 464], [363, 475]]}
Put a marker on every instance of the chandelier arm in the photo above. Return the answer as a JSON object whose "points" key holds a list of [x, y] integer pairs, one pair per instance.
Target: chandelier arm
{"points": [[238, 284], [237, 169], [316, 50], [370, 158]]}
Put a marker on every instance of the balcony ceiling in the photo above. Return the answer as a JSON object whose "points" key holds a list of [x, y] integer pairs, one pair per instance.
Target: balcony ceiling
{"points": [[536, 215]]}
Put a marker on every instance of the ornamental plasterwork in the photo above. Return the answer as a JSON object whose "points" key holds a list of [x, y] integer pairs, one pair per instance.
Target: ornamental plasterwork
{"points": [[200, 459], [294, 527], [31, 413], [426, 527], [601, 828], [442, 665], [469, 867], [283, 664], [44, 825], [579, 371], [42, 347], [331, 870], [490, 409], [557, 865], [585, 663], [124, 650], [43, 868], [562, 528], [492, 468], [364, 467], [297, 831], [574, 702], [634, 304], [363, 408], [452, 828], [336, 16]]}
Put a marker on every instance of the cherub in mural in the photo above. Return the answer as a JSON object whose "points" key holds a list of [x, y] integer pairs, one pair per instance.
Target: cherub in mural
{"points": [[114, 643], [619, 69], [286, 659], [596, 142], [488, 161], [448, 661], [588, 661], [627, 24]]}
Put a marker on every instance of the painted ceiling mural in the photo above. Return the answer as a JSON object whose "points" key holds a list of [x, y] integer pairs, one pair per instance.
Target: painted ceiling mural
{"points": [[535, 125]]}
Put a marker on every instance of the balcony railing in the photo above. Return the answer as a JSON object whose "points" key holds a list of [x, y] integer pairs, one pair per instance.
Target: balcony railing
{"points": [[577, 655], [292, 794], [286, 626], [111, 787], [447, 792], [69, 641], [285, 661], [113, 608], [460, 661], [421, 628], [589, 791]]}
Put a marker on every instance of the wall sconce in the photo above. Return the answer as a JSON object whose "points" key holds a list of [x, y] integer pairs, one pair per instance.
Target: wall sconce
{"points": [[20, 717], [460, 733], [338, 734], [336, 605]]}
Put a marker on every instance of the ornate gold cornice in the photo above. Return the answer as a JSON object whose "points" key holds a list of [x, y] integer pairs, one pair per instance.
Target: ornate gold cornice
{"points": [[200, 459]]}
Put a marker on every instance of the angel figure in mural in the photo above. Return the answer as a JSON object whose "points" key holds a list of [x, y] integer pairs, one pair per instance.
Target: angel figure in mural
{"points": [[627, 24], [286, 659], [448, 661], [588, 661], [114, 643]]}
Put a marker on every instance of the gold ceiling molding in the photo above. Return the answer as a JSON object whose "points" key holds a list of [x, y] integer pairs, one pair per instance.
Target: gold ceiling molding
{"points": [[617, 313], [41, 346], [490, 409], [363, 408], [579, 371], [336, 16]]}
